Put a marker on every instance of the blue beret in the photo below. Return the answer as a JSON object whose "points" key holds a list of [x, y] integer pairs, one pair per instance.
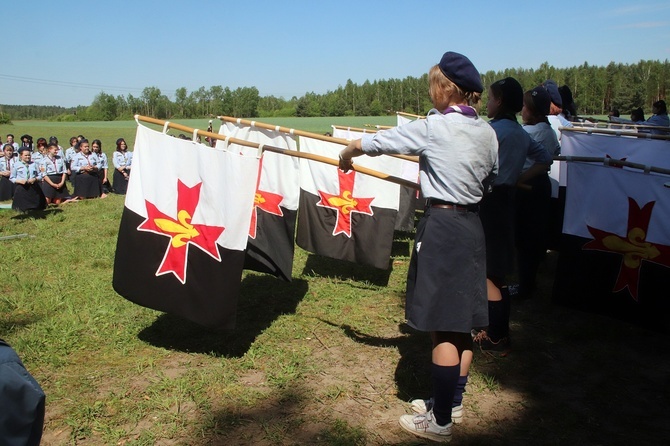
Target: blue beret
{"points": [[541, 100], [461, 72], [512, 93], [552, 89]]}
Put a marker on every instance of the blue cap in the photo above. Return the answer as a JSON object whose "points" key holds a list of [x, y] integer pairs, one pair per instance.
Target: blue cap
{"points": [[512, 93], [541, 100], [461, 72], [552, 89]]}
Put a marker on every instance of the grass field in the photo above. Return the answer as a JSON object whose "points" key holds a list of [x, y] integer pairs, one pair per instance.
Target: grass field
{"points": [[323, 360]]}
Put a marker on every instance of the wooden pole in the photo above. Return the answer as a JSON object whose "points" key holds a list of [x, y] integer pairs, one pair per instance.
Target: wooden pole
{"points": [[278, 128], [309, 156], [615, 132], [410, 115], [613, 162], [355, 129]]}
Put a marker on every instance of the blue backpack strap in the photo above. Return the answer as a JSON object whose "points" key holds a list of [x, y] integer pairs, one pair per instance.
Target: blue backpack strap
{"points": [[21, 399]]}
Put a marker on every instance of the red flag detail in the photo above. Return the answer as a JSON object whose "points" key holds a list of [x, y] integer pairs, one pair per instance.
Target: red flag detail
{"points": [[181, 231], [345, 203], [267, 201], [634, 247]]}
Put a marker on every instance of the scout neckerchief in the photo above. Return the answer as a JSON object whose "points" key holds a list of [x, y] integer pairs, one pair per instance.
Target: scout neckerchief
{"points": [[465, 110], [27, 169]]}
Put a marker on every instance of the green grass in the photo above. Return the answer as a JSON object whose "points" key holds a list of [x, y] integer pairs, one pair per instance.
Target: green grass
{"points": [[323, 360]]}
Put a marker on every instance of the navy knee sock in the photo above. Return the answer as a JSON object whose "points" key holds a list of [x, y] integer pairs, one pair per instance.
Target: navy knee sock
{"points": [[445, 381], [498, 320], [460, 389]]}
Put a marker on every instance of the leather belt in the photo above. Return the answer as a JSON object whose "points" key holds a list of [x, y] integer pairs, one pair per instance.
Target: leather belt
{"points": [[456, 207]]}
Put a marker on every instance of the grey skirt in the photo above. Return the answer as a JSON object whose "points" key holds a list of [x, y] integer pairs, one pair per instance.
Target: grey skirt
{"points": [[446, 282]]}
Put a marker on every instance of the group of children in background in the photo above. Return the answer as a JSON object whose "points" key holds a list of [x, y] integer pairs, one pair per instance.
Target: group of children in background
{"points": [[35, 176], [659, 119]]}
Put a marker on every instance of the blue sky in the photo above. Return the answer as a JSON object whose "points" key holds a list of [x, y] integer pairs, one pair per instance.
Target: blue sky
{"points": [[64, 53]]}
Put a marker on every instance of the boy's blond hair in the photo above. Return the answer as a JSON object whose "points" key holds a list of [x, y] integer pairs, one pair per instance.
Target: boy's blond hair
{"points": [[442, 90]]}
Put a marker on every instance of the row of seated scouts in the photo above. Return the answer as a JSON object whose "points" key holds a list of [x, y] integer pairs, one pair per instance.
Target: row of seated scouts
{"points": [[34, 178]]}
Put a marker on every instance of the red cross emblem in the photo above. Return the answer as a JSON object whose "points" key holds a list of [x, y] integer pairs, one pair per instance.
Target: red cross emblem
{"points": [[633, 247], [266, 201], [345, 203], [181, 231]]}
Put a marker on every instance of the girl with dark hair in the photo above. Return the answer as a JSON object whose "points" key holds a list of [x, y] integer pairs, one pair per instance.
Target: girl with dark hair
{"points": [[569, 108], [28, 195], [69, 155], [86, 165], [122, 160], [6, 163], [637, 116], [498, 207], [96, 148], [658, 119], [533, 199], [41, 151]]}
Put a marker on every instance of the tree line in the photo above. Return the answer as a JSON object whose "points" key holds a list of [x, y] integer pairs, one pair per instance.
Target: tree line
{"points": [[596, 90]]}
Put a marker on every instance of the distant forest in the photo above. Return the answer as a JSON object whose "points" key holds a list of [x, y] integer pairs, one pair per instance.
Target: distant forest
{"points": [[595, 89]]}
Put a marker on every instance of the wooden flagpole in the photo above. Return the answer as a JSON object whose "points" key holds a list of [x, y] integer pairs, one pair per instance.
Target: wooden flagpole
{"points": [[355, 129], [309, 156], [278, 128], [612, 162], [410, 115], [616, 132]]}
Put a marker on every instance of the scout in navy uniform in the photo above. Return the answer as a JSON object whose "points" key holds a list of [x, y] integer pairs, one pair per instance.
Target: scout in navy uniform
{"points": [[446, 283], [533, 199], [122, 160], [54, 176], [28, 194], [85, 165], [498, 207], [96, 148], [6, 162]]}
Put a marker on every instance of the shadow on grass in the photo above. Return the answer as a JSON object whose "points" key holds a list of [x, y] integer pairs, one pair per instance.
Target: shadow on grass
{"points": [[16, 323], [411, 374], [37, 215], [262, 300], [317, 265], [275, 420]]}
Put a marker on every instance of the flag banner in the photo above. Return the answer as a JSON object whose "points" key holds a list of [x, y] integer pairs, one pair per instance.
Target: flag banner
{"points": [[184, 228], [271, 242], [409, 200], [615, 257], [402, 119], [347, 216]]}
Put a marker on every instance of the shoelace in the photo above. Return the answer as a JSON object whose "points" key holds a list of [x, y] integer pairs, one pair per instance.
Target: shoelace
{"points": [[422, 421], [481, 336]]}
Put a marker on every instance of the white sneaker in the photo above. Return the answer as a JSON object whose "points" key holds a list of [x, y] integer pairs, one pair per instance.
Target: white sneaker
{"points": [[423, 406], [425, 426]]}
